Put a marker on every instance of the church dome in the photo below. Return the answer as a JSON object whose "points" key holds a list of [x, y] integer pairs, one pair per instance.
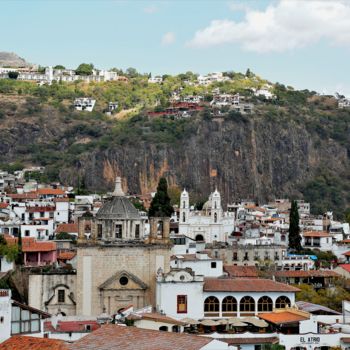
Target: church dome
{"points": [[119, 207], [207, 205]]}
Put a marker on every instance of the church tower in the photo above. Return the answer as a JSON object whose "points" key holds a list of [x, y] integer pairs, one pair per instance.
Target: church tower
{"points": [[184, 207], [216, 206]]}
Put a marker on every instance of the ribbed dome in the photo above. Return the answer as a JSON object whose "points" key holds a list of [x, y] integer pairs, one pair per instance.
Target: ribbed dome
{"points": [[118, 208]]}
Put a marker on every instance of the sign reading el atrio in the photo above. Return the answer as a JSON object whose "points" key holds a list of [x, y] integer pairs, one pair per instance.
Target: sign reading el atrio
{"points": [[309, 340]]}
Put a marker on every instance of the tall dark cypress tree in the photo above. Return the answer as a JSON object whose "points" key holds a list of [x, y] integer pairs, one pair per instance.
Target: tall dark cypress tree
{"points": [[160, 206], [294, 229]]}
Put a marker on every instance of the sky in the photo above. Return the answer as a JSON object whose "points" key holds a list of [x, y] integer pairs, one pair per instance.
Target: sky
{"points": [[302, 43]]}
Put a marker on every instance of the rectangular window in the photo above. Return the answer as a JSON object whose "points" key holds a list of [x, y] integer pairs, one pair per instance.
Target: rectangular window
{"points": [[213, 265], [118, 231], [137, 231], [26, 233], [235, 256], [61, 295], [182, 304], [99, 230]]}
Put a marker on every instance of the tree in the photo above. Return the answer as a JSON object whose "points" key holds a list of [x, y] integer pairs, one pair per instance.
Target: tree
{"points": [[63, 236], [294, 229], [160, 205], [132, 72], [248, 73], [13, 75], [59, 66], [84, 69]]}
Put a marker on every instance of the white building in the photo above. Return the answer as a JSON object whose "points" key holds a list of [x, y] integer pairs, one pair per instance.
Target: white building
{"points": [[19, 319], [181, 293], [344, 103], [155, 80], [209, 224], [84, 104], [200, 263]]}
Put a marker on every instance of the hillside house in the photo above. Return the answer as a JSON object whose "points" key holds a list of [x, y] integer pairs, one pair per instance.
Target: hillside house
{"points": [[84, 104]]}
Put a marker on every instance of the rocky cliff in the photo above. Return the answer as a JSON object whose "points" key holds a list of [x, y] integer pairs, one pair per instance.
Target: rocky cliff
{"points": [[270, 154]]}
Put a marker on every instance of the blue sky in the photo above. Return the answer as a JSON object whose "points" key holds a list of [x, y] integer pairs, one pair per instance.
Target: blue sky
{"points": [[303, 43]]}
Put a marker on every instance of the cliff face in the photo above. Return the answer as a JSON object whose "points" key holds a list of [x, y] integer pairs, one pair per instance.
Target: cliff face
{"points": [[258, 160], [255, 157]]}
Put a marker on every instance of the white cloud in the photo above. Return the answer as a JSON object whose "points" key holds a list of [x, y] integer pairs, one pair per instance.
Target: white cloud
{"points": [[238, 6], [285, 25], [168, 38], [150, 9]]}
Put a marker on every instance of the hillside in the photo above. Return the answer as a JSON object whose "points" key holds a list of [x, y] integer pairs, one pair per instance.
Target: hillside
{"points": [[297, 145], [10, 59]]}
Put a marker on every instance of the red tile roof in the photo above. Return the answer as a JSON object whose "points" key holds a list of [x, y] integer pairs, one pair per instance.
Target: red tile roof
{"points": [[346, 267], [130, 338], [71, 326], [65, 199], [40, 209], [283, 317], [69, 228], [3, 205], [50, 191], [245, 285], [20, 342], [347, 253], [310, 273], [20, 196], [316, 234], [241, 271], [37, 246]]}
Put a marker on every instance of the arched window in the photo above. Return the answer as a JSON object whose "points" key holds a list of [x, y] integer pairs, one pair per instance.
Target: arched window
{"points": [[163, 328], [265, 304], [215, 217], [211, 306], [215, 205], [229, 306], [183, 217], [247, 306], [184, 204], [282, 302]]}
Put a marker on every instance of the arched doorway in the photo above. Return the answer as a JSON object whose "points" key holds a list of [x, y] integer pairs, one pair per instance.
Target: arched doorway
{"points": [[199, 238]]}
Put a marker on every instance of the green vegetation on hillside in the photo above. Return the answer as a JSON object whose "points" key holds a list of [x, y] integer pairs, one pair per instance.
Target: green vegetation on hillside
{"points": [[74, 135]]}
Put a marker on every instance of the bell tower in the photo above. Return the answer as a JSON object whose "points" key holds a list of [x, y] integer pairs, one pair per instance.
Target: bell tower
{"points": [[184, 207], [216, 206]]}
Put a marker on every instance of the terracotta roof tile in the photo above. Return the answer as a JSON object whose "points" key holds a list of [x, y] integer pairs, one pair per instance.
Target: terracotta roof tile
{"points": [[130, 338], [50, 191], [71, 326], [347, 253], [3, 205], [20, 342], [69, 228], [282, 317], [65, 199], [20, 196], [37, 246], [241, 271], [316, 234], [245, 285], [310, 273], [346, 267]]}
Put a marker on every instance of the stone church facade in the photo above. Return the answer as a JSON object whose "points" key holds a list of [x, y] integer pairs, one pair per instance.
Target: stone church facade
{"points": [[116, 265]]}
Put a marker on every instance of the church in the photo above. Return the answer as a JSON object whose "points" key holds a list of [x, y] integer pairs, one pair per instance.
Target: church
{"points": [[209, 224], [116, 264]]}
